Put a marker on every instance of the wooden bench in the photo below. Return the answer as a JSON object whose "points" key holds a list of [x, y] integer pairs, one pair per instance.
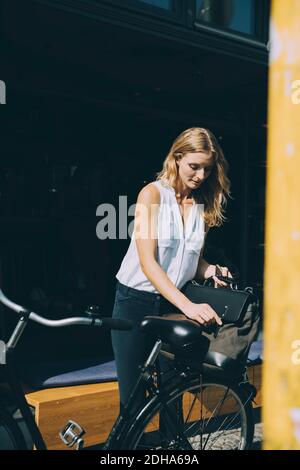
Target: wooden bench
{"points": [[94, 406]]}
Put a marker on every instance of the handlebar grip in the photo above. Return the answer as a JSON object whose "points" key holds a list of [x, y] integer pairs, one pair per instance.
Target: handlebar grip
{"points": [[114, 323]]}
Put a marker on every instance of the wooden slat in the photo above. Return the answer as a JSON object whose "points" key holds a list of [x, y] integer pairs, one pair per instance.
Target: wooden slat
{"points": [[257, 382], [94, 406]]}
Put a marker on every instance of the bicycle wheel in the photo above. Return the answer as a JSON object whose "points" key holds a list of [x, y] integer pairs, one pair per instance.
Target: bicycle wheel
{"points": [[11, 437], [197, 415]]}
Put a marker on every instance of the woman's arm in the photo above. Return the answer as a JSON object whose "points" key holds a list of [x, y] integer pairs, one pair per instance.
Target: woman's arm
{"points": [[206, 270], [145, 229]]}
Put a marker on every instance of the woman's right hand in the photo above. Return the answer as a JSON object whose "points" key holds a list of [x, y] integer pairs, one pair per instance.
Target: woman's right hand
{"points": [[202, 313]]}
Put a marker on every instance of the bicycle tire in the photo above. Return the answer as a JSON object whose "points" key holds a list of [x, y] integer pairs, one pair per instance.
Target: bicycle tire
{"points": [[148, 416], [11, 437]]}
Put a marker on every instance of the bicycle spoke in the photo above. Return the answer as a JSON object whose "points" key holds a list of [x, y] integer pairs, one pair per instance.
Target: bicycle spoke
{"points": [[213, 416], [230, 422], [203, 424], [218, 431], [177, 425], [194, 401], [220, 407]]}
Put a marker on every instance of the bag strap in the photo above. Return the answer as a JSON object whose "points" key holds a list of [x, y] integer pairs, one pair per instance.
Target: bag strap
{"points": [[232, 281]]}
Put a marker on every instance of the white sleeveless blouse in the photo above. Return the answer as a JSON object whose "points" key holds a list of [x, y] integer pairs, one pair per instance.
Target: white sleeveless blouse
{"points": [[178, 246]]}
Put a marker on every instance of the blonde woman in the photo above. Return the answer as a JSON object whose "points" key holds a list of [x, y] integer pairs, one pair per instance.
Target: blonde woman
{"points": [[172, 218]]}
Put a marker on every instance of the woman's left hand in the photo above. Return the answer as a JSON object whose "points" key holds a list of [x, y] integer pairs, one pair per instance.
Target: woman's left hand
{"points": [[210, 271], [221, 271]]}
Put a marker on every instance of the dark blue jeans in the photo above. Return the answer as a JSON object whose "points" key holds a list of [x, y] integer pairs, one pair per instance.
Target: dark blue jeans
{"points": [[132, 347]]}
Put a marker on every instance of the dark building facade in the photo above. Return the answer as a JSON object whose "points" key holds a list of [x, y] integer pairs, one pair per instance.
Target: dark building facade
{"points": [[96, 92]]}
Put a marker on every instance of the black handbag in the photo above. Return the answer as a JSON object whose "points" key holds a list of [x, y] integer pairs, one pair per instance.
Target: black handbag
{"points": [[229, 303], [236, 308]]}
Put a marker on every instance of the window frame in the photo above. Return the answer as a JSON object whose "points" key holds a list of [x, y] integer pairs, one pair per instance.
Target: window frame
{"points": [[176, 15], [261, 26]]}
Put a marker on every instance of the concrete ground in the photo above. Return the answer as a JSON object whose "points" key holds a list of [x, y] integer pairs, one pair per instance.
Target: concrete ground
{"points": [[258, 437]]}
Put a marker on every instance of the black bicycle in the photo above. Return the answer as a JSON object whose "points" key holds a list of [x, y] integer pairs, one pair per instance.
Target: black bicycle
{"points": [[198, 402]]}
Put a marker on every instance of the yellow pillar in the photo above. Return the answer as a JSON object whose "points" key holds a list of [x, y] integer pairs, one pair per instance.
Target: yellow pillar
{"points": [[281, 371]]}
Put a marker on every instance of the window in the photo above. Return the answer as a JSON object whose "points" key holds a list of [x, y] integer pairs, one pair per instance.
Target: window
{"points": [[168, 9], [165, 4], [234, 15]]}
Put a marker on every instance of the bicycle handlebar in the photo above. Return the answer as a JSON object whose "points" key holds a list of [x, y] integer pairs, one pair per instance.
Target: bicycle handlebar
{"points": [[102, 322], [12, 305]]}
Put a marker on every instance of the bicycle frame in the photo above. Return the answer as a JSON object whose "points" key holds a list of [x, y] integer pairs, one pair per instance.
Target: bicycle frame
{"points": [[6, 362], [131, 417], [145, 383]]}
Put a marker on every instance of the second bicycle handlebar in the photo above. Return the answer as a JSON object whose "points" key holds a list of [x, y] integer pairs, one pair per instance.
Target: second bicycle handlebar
{"points": [[102, 322]]}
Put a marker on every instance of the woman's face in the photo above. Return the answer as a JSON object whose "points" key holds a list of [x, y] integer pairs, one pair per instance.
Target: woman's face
{"points": [[195, 168]]}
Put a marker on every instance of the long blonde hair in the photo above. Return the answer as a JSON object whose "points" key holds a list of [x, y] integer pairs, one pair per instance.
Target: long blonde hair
{"points": [[214, 191]]}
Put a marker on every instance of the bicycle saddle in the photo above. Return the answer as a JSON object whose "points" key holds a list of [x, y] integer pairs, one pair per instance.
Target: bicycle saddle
{"points": [[173, 328], [190, 345]]}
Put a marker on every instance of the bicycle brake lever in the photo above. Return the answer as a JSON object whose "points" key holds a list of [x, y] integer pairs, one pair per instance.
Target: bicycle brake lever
{"points": [[93, 311]]}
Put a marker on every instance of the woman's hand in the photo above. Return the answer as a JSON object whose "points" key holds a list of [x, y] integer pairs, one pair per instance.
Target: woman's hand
{"points": [[214, 270], [221, 271], [202, 313]]}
